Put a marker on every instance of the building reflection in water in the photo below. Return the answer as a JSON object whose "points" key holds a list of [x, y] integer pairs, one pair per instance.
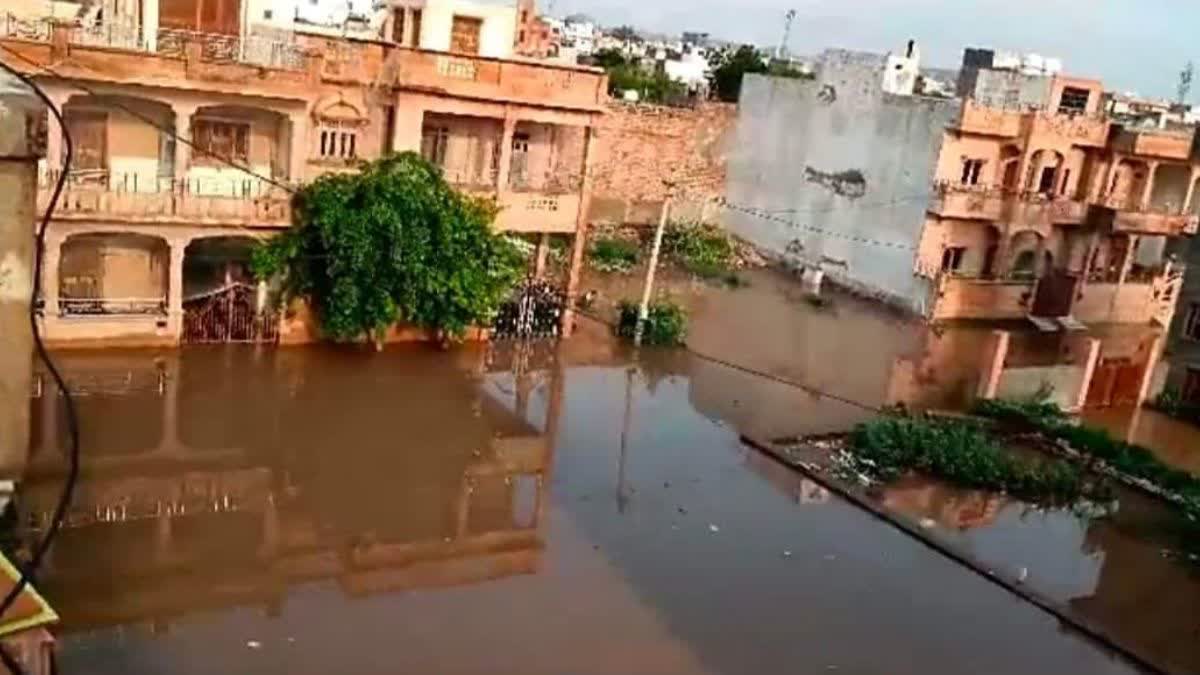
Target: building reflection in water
{"points": [[214, 478]]}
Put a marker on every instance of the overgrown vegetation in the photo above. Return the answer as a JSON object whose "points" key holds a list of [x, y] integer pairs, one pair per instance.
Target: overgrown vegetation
{"points": [[1170, 402], [1127, 458], [391, 243], [666, 323], [626, 74], [730, 66], [703, 250], [965, 455], [613, 255]]}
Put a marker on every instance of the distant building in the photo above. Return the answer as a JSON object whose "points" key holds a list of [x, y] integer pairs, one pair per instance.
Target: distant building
{"points": [[1048, 214], [580, 33], [901, 71], [995, 68]]}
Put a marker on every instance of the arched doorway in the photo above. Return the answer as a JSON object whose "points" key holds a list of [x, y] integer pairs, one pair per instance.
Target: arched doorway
{"points": [[113, 273], [222, 300], [1045, 172], [1025, 258]]}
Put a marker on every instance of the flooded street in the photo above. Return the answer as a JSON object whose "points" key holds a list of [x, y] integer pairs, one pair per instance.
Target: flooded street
{"points": [[501, 510]]}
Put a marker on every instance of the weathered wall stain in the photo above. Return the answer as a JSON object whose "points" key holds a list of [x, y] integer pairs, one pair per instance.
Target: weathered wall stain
{"points": [[851, 184]]}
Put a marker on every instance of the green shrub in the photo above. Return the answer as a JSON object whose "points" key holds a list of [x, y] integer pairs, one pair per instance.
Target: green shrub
{"points": [[962, 454], [666, 323], [613, 255], [703, 250], [1130, 459]]}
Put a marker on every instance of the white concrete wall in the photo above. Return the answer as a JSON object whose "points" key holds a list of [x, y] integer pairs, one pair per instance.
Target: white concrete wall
{"points": [[496, 36], [1065, 381]]}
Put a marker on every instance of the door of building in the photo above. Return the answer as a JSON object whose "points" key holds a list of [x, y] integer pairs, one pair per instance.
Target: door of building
{"points": [[1055, 294]]}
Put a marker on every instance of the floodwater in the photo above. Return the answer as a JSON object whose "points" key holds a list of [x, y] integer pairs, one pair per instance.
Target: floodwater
{"points": [[1173, 441], [514, 510], [1110, 571]]}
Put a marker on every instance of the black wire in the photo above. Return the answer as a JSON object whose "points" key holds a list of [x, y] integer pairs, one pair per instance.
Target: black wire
{"points": [[28, 572]]}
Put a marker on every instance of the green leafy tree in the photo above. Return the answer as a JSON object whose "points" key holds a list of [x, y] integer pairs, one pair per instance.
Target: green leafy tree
{"points": [[392, 243], [729, 67]]}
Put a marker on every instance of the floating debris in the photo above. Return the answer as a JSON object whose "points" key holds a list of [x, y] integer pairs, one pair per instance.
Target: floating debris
{"points": [[713, 528], [253, 644]]}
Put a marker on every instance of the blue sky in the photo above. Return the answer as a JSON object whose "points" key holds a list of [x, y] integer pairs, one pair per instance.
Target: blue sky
{"points": [[1138, 45]]}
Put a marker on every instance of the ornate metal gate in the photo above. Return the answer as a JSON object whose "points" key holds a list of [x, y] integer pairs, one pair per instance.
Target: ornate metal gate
{"points": [[534, 312], [229, 315]]}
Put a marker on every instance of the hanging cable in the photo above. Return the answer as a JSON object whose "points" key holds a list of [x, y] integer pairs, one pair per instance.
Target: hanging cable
{"points": [[29, 571]]}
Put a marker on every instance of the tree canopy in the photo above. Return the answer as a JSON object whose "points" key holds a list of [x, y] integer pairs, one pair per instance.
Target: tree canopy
{"points": [[729, 67], [391, 243]]}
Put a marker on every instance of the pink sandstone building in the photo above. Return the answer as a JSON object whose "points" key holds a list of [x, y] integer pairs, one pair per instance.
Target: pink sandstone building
{"points": [[192, 118]]}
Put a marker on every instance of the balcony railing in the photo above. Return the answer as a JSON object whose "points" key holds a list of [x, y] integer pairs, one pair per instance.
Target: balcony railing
{"points": [[496, 79], [1122, 216], [109, 34], [21, 28], [147, 198], [1164, 143], [217, 48], [1080, 129], [112, 306], [1021, 207]]}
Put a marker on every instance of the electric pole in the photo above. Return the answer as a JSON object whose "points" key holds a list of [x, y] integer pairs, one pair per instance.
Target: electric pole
{"points": [[782, 52], [648, 288], [1185, 82]]}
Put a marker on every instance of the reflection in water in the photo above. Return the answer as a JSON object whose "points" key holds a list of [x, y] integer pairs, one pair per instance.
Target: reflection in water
{"points": [[1110, 570], [241, 478], [1173, 441]]}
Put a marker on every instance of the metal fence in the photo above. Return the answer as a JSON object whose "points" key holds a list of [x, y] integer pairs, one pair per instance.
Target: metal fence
{"points": [[13, 26]]}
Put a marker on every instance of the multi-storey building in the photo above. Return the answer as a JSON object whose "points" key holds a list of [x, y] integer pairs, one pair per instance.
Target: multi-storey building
{"points": [[1022, 204], [192, 119]]}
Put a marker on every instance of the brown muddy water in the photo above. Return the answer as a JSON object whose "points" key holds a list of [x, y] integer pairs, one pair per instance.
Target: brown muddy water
{"points": [[500, 510]]}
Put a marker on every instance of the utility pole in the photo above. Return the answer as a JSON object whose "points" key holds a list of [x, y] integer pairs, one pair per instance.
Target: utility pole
{"points": [[1185, 82], [648, 288], [21, 134], [788, 18]]}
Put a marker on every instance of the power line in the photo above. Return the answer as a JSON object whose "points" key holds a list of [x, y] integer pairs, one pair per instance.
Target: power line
{"points": [[771, 217]]}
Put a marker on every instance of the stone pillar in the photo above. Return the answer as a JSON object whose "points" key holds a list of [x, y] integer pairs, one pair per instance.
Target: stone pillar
{"points": [[1089, 371], [183, 129], [410, 120], [1148, 188], [298, 148], [1127, 261], [1105, 182], [539, 259], [175, 289], [581, 228], [50, 277], [149, 20], [20, 115], [1148, 374], [506, 148], [54, 132], [993, 364], [1191, 192]]}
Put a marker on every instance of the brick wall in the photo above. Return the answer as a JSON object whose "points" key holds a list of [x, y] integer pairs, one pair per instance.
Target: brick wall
{"points": [[642, 145]]}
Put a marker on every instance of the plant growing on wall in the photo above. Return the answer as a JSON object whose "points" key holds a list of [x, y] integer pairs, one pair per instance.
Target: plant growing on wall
{"points": [[391, 243]]}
